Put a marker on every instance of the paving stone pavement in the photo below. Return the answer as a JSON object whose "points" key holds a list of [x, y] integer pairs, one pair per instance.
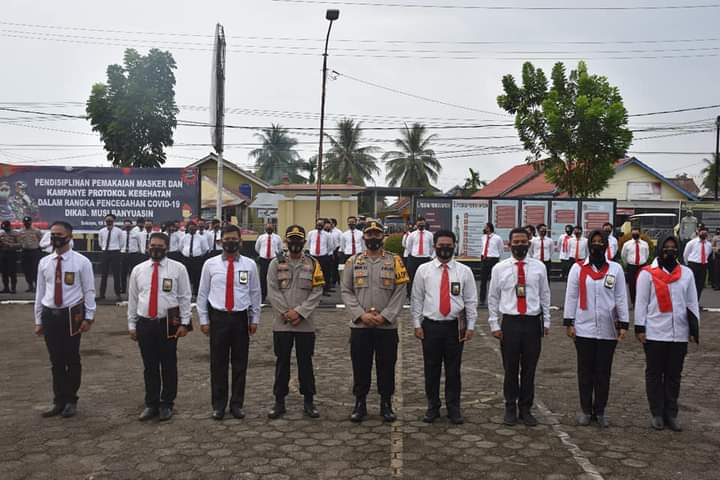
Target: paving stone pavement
{"points": [[105, 441]]}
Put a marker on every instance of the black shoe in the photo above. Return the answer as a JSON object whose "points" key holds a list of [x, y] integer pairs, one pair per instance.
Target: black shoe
{"points": [[237, 412], [13, 291], [277, 410], [5, 290], [386, 411], [510, 419], [54, 411], [148, 413], [603, 421], [431, 415], [101, 297], [528, 419], [359, 413], [118, 298], [584, 419], [218, 414], [657, 423], [28, 290], [673, 424], [166, 413], [310, 410], [69, 411], [456, 417]]}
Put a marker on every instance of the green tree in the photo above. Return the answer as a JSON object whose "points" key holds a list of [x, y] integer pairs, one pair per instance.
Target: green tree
{"points": [[414, 163], [277, 156], [346, 158], [709, 173], [309, 167], [134, 112], [577, 127], [473, 183]]}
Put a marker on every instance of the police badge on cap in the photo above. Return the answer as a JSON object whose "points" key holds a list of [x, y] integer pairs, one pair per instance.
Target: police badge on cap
{"points": [[374, 226]]}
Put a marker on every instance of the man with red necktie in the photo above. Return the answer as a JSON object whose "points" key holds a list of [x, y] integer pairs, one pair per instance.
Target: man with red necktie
{"points": [[419, 245], [159, 294], [563, 247], [267, 246], [635, 253], [541, 247], [320, 246], [492, 248], [444, 311], [612, 247], [228, 305], [697, 255], [519, 316]]}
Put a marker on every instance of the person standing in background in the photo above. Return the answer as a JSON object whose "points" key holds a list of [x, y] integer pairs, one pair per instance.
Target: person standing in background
{"points": [[267, 246], [635, 254], [352, 240], [578, 246], [419, 245], [126, 258], [541, 248], [563, 247], [697, 255], [214, 238], [111, 241], [337, 251], [29, 238], [193, 249], [320, 246], [409, 228], [9, 244], [492, 248], [715, 274], [612, 249], [176, 237]]}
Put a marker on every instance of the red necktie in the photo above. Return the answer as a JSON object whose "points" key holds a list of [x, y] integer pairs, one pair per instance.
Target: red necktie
{"points": [[421, 249], [637, 252], [58, 282], [703, 259], [609, 253], [487, 242], [521, 302], [229, 287], [152, 309], [267, 252], [317, 244], [565, 244], [445, 292], [577, 248], [542, 249], [352, 234]]}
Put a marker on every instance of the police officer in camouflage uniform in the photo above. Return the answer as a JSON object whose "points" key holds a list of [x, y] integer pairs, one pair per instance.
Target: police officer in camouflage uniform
{"points": [[295, 286], [373, 290]]}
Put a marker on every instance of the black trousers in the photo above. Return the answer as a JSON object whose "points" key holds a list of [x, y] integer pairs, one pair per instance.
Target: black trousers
{"points": [[159, 355], [566, 265], [110, 263], [8, 266], [631, 274], [325, 262], [263, 264], [548, 267], [712, 267], [229, 345], [176, 255], [334, 268], [126, 269], [304, 349], [64, 352], [594, 367], [663, 371], [520, 346], [442, 346], [194, 267], [30, 261], [366, 343], [413, 263], [700, 273], [486, 267]]}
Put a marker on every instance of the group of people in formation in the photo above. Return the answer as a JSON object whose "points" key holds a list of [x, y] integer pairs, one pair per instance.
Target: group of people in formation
{"points": [[374, 282]]}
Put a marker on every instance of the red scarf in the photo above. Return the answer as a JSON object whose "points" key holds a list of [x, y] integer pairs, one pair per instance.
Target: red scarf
{"points": [[586, 270], [661, 279]]}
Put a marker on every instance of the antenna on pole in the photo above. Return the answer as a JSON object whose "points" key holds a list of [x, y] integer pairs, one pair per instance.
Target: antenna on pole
{"points": [[217, 111]]}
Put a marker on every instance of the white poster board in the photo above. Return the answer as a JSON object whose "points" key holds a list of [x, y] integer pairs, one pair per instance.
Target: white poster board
{"points": [[505, 215], [564, 212], [469, 219]]}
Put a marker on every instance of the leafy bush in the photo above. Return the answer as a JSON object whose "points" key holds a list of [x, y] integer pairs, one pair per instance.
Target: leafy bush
{"points": [[393, 243]]}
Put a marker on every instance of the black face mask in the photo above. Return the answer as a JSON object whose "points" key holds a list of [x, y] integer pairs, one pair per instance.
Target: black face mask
{"points": [[635, 236], [319, 227], [597, 250], [109, 224], [374, 244], [669, 258], [27, 224], [703, 235], [542, 233], [231, 246], [269, 231], [445, 252], [296, 247], [351, 226], [519, 251], [157, 253], [58, 241], [568, 231], [421, 227]]}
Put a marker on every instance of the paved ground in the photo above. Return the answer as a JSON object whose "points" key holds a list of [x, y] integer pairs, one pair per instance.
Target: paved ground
{"points": [[105, 441]]}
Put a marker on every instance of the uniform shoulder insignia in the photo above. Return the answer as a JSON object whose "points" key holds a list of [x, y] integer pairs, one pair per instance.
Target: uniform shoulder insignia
{"points": [[318, 280], [401, 274]]}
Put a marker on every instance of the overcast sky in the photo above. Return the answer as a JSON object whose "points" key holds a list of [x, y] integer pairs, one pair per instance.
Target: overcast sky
{"points": [[54, 51]]}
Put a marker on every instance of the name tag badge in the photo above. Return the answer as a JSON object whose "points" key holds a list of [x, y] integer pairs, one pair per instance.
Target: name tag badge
{"points": [[520, 291], [243, 277], [455, 288], [167, 284], [69, 278], [609, 281]]}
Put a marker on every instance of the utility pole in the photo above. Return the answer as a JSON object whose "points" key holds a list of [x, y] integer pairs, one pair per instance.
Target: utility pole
{"points": [[717, 155], [217, 109]]}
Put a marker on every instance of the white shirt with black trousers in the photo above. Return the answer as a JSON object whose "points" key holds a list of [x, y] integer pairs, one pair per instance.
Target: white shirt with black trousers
{"points": [[111, 239], [668, 314], [65, 296], [697, 256], [267, 246], [492, 248], [596, 306]]}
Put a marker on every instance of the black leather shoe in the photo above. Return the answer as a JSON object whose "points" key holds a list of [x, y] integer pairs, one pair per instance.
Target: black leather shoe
{"points": [[310, 410], [218, 414], [510, 419], [603, 421], [166, 413], [431, 414], [277, 410], [147, 414], [657, 423], [528, 419], [359, 413], [54, 411], [386, 411], [456, 417], [583, 419], [673, 424], [69, 411], [237, 412]]}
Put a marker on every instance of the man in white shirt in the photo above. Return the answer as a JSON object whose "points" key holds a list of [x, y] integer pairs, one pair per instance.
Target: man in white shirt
{"points": [[406, 252], [541, 247], [612, 249], [320, 246], [667, 315], [420, 249], [337, 235], [444, 311], [563, 248], [352, 240], [64, 301], [267, 246], [578, 246], [158, 314], [111, 241], [697, 255], [143, 240], [214, 238], [492, 247], [519, 295], [193, 249], [176, 237], [635, 254], [126, 261], [228, 305]]}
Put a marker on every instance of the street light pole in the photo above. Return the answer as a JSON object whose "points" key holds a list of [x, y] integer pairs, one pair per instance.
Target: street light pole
{"points": [[330, 15], [717, 155]]}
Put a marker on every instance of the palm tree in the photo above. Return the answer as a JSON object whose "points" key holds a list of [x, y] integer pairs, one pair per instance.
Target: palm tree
{"points": [[277, 156], [309, 167], [473, 183], [414, 164], [346, 158], [709, 174]]}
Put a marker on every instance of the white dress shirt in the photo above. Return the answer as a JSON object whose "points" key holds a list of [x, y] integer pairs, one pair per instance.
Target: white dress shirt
{"points": [[666, 326], [582, 248], [214, 239], [76, 268], [502, 299], [539, 244], [564, 252], [495, 245], [337, 236], [613, 246], [693, 249], [425, 301], [347, 241], [199, 245], [326, 242], [142, 238], [606, 302], [212, 287], [174, 290], [176, 241], [629, 251], [414, 240], [117, 239], [276, 245], [403, 242]]}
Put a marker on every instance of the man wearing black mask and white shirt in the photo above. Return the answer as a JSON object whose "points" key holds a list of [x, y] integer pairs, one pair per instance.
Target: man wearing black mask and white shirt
{"points": [[214, 238], [541, 247], [563, 247], [111, 240], [578, 246], [320, 246], [193, 249], [519, 296], [444, 311], [492, 248], [65, 296], [267, 246], [635, 254], [420, 245], [666, 317], [697, 255], [352, 240], [612, 247]]}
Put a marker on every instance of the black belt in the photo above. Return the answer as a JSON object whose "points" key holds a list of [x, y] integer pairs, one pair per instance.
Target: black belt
{"points": [[426, 319], [146, 319], [521, 317], [56, 311], [224, 313]]}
